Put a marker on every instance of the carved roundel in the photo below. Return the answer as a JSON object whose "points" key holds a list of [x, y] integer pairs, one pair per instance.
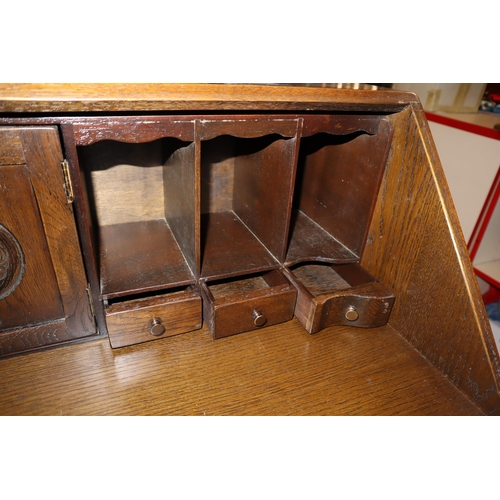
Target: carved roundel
{"points": [[11, 262]]}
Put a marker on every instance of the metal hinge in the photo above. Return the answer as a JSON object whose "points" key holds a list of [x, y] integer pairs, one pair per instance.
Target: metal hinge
{"points": [[91, 303], [67, 181]]}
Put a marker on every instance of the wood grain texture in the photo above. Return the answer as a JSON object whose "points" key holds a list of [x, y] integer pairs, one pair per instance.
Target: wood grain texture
{"points": [[133, 130], [231, 309], [36, 299], [319, 278], [338, 179], [217, 174], [12, 262], [128, 322], [140, 256], [249, 168], [137, 128], [39, 98], [245, 127], [38, 199], [340, 124], [320, 306], [263, 189], [124, 181], [230, 249], [181, 191], [310, 242], [236, 313], [280, 370], [416, 248], [412, 239], [43, 155], [32, 338], [11, 149], [85, 224], [235, 286]]}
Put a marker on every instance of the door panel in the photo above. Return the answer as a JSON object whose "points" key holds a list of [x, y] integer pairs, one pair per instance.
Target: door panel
{"points": [[48, 304], [35, 298]]}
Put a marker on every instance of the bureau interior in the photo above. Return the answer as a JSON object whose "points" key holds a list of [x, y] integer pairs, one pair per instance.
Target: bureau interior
{"points": [[319, 278], [141, 201], [337, 183], [246, 192], [250, 284]]}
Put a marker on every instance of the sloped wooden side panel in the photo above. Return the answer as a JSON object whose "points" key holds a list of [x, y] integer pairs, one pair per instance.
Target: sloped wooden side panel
{"points": [[416, 248]]}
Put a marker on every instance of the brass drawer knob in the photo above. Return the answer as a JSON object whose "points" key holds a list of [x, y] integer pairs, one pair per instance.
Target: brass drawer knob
{"points": [[259, 319], [351, 314], [156, 328]]}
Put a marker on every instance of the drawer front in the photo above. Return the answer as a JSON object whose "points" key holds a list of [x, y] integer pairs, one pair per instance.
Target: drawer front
{"points": [[150, 319], [367, 306], [246, 312], [347, 294]]}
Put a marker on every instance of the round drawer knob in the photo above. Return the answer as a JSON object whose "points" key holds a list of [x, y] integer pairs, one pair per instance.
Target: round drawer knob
{"points": [[259, 319], [156, 328], [351, 314]]}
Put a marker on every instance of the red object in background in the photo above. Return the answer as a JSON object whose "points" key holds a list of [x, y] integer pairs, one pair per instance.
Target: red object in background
{"points": [[493, 97], [492, 295], [484, 218], [492, 93]]}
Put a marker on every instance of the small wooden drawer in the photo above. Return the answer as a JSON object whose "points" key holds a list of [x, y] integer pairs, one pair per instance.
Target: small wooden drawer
{"points": [[344, 294], [247, 303], [144, 319]]}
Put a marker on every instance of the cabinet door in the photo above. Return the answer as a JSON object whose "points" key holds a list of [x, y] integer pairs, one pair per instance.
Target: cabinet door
{"points": [[43, 286]]}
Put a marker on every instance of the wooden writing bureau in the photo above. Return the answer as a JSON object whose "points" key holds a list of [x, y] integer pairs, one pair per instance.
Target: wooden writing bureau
{"points": [[140, 212]]}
